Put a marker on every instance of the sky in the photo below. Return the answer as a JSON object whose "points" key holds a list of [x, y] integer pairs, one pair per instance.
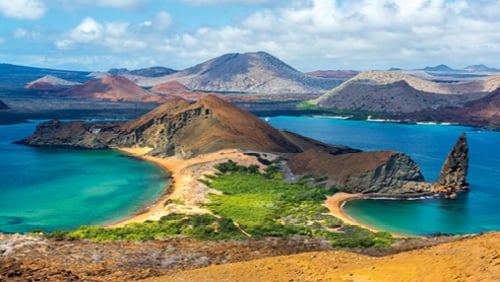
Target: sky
{"points": [[309, 35]]}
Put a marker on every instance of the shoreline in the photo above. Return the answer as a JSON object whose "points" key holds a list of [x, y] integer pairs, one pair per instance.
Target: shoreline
{"points": [[181, 180], [149, 209], [183, 184], [335, 204]]}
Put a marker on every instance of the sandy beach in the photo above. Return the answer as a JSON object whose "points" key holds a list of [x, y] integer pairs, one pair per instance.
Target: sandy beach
{"points": [[335, 203], [185, 191]]}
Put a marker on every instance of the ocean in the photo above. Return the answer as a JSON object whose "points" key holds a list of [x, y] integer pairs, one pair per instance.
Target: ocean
{"points": [[60, 189], [428, 145], [50, 189]]}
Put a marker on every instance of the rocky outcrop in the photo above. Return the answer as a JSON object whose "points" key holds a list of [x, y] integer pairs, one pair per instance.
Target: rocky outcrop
{"points": [[188, 129], [381, 172], [453, 176], [77, 134]]}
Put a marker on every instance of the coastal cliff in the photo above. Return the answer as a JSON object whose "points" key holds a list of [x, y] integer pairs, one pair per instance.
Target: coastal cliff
{"points": [[453, 176], [76, 134], [188, 129], [381, 172]]}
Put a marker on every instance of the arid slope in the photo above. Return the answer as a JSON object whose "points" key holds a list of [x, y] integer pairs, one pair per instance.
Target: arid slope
{"points": [[473, 259], [395, 92], [114, 88], [257, 73]]}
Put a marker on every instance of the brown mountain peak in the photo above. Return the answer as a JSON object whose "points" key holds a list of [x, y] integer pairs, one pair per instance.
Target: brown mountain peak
{"points": [[114, 88], [188, 129]]}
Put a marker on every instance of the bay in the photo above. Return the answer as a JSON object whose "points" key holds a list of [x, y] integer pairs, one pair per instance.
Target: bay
{"points": [[60, 189], [428, 145]]}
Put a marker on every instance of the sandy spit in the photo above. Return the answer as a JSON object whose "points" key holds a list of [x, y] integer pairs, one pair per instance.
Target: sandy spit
{"points": [[186, 191]]}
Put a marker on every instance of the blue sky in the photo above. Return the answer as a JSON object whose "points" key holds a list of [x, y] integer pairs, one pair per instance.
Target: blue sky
{"points": [[307, 34]]}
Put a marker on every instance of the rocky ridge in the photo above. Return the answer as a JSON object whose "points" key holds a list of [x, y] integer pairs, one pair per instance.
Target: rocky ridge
{"points": [[380, 172], [395, 92], [481, 112], [185, 129]]}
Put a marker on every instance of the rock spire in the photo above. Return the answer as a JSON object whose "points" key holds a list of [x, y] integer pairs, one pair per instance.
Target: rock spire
{"points": [[453, 176]]}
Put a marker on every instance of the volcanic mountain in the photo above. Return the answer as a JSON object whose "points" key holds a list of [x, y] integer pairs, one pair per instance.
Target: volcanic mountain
{"points": [[258, 73], [395, 92], [480, 68], [50, 82], [441, 68], [113, 88]]}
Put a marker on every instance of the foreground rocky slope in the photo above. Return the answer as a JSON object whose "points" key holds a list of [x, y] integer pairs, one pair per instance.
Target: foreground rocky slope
{"points": [[472, 259], [24, 258], [185, 129]]}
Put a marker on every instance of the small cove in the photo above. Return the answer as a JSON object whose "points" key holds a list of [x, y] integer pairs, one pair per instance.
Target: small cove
{"points": [[428, 145], [49, 189]]}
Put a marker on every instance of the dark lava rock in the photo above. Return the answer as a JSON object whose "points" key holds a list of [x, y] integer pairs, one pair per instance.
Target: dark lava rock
{"points": [[453, 176]]}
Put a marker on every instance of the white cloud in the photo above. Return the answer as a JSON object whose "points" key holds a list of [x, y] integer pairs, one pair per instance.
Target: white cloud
{"points": [[314, 34], [223, 2], [118, 37], [23, 9], [88, 30], [162, 21], [120, 4], [20, 33], [146, 23]]}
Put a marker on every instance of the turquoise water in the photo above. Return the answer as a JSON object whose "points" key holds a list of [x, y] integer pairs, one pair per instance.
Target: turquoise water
{"points": [[49, 189], [428, 145]]}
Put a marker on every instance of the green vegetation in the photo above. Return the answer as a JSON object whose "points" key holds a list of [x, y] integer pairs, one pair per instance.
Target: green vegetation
{"points": [[196, 226], [353, 114], [253, 204], [174, 201], [495, 127], [306, 105]]}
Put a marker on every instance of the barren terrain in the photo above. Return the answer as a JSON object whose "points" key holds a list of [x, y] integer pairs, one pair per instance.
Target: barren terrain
{"points": [[474, 259]]}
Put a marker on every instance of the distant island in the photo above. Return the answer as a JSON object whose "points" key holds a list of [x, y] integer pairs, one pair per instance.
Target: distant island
{"points": [[260, 83]]}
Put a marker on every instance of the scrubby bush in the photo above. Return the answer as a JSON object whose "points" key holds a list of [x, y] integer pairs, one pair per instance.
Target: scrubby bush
{"points": [[252, 204]]}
